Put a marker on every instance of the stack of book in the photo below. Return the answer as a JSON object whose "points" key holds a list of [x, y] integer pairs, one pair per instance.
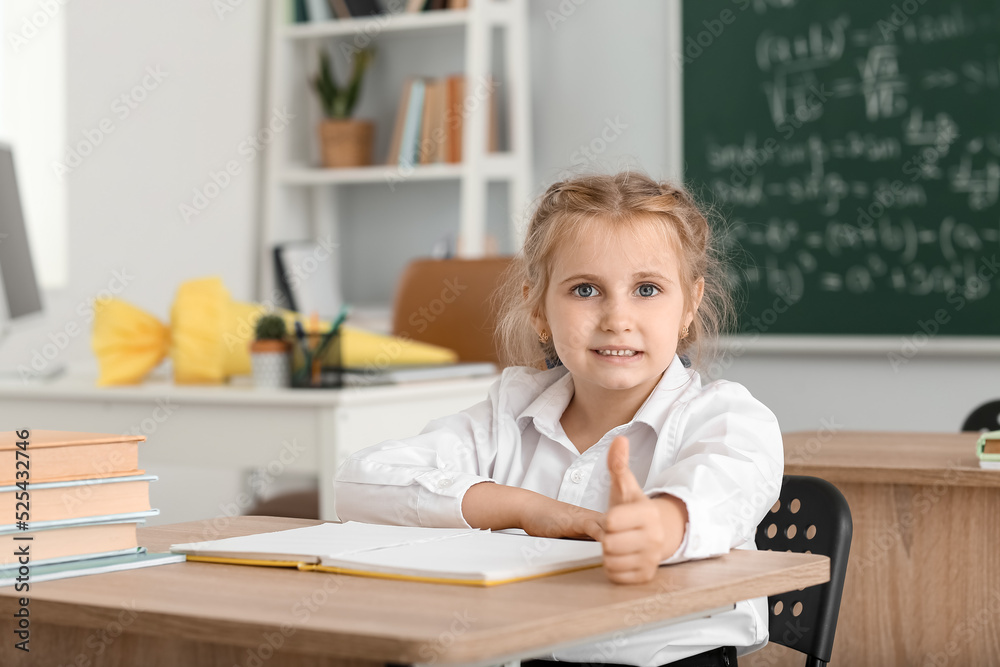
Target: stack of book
{"points": [[988, 450], [303, 11], [430, 118], [70, 503]]}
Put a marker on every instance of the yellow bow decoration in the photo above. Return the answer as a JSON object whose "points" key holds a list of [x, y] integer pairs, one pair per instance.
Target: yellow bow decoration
{"points": [[209, 339]]}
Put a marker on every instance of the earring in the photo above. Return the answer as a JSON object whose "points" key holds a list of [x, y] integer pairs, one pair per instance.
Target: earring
{"points": [[684, 332], [543, 337]]}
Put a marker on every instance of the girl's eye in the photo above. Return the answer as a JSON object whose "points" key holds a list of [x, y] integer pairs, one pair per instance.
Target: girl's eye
{"points": [[648, 290], [584, 290]]}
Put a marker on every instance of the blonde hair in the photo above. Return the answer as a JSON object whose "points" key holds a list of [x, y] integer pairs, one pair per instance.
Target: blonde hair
{"points": [[623, 202]]}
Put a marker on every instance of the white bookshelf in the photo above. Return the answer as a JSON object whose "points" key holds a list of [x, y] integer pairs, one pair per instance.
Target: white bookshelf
{"points": [[300, 199]]}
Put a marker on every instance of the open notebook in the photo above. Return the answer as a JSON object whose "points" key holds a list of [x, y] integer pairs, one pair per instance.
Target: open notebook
{"points": [[441, 555]]}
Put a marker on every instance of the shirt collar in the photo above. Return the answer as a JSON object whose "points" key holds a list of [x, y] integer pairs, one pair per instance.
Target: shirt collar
{"points": [[547, 408]]}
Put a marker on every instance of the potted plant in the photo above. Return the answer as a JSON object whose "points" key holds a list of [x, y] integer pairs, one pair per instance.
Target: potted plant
{"points": [[269, 352], [344, 141]]}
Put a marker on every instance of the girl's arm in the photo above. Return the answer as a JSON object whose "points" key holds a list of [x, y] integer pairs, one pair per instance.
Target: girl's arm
{"points": [[497, 507], [727, 471]]}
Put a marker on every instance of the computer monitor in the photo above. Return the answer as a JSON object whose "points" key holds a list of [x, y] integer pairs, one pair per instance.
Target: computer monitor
{"points": [[20, 298]]}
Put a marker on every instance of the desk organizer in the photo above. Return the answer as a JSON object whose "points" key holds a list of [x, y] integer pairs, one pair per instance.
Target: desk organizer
{"points": [[316, 361]]}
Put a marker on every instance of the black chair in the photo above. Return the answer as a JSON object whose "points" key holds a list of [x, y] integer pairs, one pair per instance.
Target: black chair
{"points": [[812, 516], [984, 418]]}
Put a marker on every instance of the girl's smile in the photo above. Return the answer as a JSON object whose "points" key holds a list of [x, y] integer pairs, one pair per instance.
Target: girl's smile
{"points": [[618, 354]]}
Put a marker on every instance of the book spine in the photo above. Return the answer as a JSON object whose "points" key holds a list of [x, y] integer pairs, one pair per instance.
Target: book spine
{"points": [[456, 118], [301, 14], [397, 130], [460, 132], [408, 153], [339, 9], [426, 123], [318, 10]]}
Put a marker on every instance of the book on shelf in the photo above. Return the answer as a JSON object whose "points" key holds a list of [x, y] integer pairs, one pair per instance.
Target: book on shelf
{"points": [[397, 128], [435, 5], [318, 10], [430, 120], [410, 142], [299, 11], [453, 124], [468, 557], [51, 501], [399, 374], [988, 450], [433, 113], [304, 11], [65, 455], [364, 7], [340, 9], [99, 564]]}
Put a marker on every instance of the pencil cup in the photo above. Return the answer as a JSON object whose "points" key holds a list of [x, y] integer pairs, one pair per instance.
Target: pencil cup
{"points": [[316, 361]]}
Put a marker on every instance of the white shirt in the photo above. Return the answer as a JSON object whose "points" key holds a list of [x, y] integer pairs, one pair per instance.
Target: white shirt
{"points": [[715, 447]]}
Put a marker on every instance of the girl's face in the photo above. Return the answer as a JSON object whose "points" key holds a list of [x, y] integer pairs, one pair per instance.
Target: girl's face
{"points": [[615, 307]]}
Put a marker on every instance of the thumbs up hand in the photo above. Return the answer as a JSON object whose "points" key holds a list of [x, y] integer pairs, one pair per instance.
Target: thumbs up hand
{"points": [[640, 531]]}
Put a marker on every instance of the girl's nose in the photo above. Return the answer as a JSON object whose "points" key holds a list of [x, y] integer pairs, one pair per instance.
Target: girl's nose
{"points": [[616, 316]]}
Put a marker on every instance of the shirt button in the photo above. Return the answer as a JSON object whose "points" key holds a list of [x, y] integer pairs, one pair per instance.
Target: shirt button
{"points": [[444, 482], [577, 476]]}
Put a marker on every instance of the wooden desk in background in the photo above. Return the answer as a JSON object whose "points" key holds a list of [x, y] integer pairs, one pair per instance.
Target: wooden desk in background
{"points": [[211, 614], [923, 579]]}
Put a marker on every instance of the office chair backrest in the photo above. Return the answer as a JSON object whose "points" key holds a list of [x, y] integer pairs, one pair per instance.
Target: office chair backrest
{"points": [[812, 516], [449, 302], [984, 418]]}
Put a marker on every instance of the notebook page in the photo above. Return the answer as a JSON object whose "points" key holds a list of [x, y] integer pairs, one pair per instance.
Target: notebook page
{"points": [[482, 556], [310, 543]]}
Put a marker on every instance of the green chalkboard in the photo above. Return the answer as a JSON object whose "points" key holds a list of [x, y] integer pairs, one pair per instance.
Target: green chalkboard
{"points": [[853, 150]]}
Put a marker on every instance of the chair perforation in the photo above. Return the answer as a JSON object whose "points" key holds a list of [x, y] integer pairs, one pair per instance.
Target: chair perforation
{"points": [[810, 516]]}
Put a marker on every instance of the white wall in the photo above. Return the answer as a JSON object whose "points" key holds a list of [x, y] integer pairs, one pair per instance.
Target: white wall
{"points": [[166, 135], [34, 121], [607, 62]]}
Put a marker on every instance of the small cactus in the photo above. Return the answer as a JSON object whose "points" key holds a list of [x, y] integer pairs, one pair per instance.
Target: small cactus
{"points": [[270, 327]]}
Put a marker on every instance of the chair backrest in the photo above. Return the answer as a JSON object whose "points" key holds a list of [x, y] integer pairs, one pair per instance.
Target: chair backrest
{"points": [[449, 302], [984, 418], [811, 516]]}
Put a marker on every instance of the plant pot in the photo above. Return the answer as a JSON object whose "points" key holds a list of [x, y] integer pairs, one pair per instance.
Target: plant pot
{"points": [[346, 142], [271, 363]]}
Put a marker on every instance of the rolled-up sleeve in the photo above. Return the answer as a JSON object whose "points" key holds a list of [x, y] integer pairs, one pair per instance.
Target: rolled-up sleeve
{"points": [[420, 481], [727, 471]]}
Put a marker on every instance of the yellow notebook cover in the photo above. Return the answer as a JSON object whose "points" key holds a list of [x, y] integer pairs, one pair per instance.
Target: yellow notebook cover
{"points": [[310, 567]]}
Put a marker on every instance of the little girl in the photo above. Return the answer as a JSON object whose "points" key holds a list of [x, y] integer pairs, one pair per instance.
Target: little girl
{"points": [[616, 440]]}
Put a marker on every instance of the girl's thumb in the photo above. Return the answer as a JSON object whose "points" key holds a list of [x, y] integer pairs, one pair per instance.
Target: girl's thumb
{"points": [[624, 486]]}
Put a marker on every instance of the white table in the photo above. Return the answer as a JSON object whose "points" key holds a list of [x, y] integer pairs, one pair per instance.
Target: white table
{"points": [[234, 427]]}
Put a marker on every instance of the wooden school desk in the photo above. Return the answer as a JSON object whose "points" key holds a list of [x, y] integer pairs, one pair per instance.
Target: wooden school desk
{"points": [[212, 614], [923, 579]]}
